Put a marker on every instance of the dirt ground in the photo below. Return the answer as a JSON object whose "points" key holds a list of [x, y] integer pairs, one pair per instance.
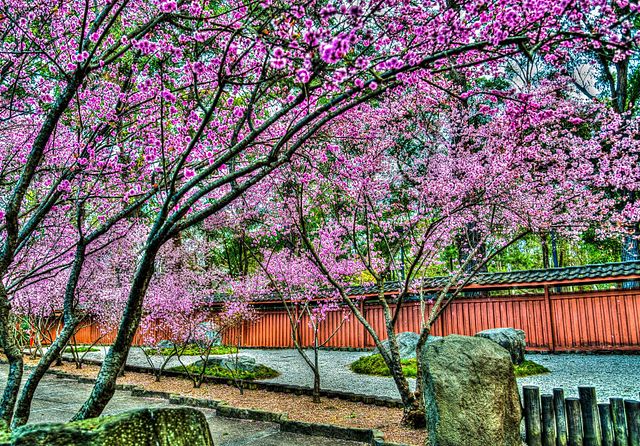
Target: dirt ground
{"points": [[301, 408]]}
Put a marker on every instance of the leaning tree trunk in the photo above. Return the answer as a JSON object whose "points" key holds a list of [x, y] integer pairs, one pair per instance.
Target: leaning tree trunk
{"points": [[14, 356], [54, 352], [116, 357], [23, 406]]}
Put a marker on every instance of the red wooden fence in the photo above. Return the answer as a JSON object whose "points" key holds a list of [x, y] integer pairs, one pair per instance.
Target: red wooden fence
{"points": [[595, 320]]}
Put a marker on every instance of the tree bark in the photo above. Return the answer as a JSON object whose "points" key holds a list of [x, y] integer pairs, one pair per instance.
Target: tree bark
{"points": [[116, 357], [14, 356], [23, 406]]}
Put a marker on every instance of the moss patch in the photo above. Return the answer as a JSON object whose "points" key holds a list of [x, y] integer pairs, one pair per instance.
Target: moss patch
{"points": [[260, 372], [193, 350], [81, 349], [374, 365], [528, 368]]}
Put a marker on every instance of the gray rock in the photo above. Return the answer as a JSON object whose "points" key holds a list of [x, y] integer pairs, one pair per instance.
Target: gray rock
{"points": [[165, 344], [475, 396], [211, 333], [243, 363], [407, 342], [510, 338], [162, 427]]}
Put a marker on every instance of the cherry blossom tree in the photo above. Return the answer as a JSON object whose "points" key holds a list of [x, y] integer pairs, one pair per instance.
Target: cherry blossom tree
{"points": [[523, 166], [303, 292], [200, 101]]}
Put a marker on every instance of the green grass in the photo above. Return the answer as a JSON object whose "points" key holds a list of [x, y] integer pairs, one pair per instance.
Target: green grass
{"points": [[528, 368], [374, 365], [81, 349], [194, 350], [261, 372]]}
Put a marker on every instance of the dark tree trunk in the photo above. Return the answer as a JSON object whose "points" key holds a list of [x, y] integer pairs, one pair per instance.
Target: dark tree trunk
{"points": [[53, 353], [116, 357], [14, 356], [630, 253], [316, 372], [545, 251]]}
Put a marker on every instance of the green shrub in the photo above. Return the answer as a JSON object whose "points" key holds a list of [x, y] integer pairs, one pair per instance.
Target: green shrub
{"points": [[374, 365]]}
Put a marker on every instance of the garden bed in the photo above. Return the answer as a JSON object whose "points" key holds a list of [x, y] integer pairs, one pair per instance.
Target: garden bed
{"points": [[375, 365]]}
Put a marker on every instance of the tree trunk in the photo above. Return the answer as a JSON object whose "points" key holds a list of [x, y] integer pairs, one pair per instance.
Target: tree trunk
{"points": [[14, 356], [53, 353], [413, 414], [116, 357], [316, 371], [545, 251], [630, 252]]}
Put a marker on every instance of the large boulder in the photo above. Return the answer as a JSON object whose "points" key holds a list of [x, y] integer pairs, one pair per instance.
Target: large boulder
{"points": [[161, 427], [511, 339], [243, 363], [475, 400], [407, 342]]}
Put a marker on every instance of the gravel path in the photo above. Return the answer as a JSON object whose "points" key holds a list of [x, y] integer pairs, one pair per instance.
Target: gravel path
{"points": [[611, 375]]}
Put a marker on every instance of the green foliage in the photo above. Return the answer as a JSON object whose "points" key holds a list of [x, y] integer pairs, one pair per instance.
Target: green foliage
{"points": [[193, 350], [260, 372], [529, 368], [374, 365]]}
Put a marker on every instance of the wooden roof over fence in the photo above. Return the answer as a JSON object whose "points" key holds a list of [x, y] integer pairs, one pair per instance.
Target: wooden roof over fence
{"points": [[533, 278]]}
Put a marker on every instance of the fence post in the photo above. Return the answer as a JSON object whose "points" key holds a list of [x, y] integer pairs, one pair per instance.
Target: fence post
{"points": [[632, 407], [619, 420], [590, 417], [532, 417], [561, 417], [574, 421], [548, 421], [606, 424]]}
